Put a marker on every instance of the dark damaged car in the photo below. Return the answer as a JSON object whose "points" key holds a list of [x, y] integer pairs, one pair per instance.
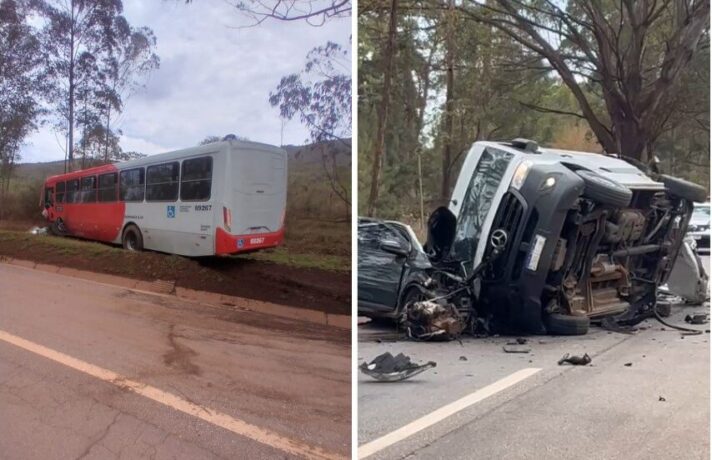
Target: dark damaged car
{"points": [[391, 267], [541, 240]]}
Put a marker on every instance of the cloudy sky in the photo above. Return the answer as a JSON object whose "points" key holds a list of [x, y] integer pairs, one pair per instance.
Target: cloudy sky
{"points": [[215, 78]]}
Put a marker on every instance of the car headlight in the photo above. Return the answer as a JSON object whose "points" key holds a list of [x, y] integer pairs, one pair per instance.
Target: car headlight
{"points": [[520, 174]]}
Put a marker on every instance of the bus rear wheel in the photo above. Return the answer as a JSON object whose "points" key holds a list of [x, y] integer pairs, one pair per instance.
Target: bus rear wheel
{"points": [[132, 239]]}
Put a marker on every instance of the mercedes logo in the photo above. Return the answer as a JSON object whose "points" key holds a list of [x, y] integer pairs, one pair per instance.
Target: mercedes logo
{"points": [[499, 239]]}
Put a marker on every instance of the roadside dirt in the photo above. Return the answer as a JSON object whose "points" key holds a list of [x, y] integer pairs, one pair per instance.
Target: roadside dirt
{"points": [[311, 288]]}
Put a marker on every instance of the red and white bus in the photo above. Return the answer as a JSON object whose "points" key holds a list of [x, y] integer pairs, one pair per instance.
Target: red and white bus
{"points": [[216, 199]]}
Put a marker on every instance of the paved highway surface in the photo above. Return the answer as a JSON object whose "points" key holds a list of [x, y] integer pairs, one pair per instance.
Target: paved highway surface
{"points": [[94, 371], [644, 396]]}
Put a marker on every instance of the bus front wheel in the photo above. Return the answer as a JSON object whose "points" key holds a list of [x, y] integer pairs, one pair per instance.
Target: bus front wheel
{"points": [[132, 239]]}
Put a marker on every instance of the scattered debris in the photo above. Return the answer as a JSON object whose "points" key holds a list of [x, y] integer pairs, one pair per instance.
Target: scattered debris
{"points": [[38, 230], [697, 318], [610, 324], [575, 360], [389, 368], [628, 364], [429, 320], [521, 340], [660, 398], [463, 358]]}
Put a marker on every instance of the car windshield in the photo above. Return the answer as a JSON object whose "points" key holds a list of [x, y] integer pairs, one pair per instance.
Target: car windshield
{"points": [[477, 202]]}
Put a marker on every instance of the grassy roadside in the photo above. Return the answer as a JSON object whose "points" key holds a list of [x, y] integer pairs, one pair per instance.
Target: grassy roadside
{"points": [[308, 244], [309, 280]]}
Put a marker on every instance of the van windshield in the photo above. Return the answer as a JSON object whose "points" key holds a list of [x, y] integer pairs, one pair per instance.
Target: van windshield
{"points": [[477, 203]]}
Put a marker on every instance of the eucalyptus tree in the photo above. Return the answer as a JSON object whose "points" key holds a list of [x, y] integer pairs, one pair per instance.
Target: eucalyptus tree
{"points": [[21, 83], [95, 55]]}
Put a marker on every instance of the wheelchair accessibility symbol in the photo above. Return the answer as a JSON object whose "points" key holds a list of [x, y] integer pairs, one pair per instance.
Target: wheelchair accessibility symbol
{"points": [[240, 243], [171, 211]]}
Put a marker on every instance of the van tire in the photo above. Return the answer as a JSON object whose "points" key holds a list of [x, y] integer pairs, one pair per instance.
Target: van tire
{"points": [[131, 239], [604, 190], [559, 324], [684, 189]]}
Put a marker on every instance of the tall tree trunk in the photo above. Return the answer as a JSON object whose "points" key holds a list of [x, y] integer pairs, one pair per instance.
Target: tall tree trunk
{"points": [[388, 58], [449, 82], [106, 139], [70, 153]]}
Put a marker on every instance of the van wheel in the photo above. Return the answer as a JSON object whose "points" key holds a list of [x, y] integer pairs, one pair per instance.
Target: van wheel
{"points": [[132, 239], [604, 190], [684, 189], [558, 324]]}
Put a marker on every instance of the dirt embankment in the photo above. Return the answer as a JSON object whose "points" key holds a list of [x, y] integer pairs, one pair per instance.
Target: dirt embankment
{"points": [[312, 288]]}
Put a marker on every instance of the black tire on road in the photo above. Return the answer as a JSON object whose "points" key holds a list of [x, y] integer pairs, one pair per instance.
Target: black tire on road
{"points": [[604, 190], [684, 189], [132, 239], [558, 324]]}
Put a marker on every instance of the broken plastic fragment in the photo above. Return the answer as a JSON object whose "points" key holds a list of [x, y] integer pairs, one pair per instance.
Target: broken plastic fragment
{"points": [[389, 368], [698, 318], [575, 360]]}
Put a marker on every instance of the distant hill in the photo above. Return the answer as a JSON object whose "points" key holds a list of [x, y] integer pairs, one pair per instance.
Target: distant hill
{"points": [[305, 155], [300, 157]]}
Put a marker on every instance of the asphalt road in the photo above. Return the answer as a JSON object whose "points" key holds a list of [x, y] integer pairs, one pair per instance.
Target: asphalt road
{"points": [[94, 371], [655, 408]]}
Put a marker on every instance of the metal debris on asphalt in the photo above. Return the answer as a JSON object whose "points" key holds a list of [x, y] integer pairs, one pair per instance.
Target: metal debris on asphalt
{"points": [[575, 360], [389, 368], [697, 318]]}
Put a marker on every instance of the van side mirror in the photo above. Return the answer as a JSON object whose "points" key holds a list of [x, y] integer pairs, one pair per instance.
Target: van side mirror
{"points": [[395, 247]]}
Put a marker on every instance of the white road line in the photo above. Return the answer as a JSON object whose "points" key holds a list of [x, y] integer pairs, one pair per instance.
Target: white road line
{"points": [[220, 419], [441, 414]]}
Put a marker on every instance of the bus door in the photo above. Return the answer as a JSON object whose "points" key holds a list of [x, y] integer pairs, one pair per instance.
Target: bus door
{"points": [[49, 203]]}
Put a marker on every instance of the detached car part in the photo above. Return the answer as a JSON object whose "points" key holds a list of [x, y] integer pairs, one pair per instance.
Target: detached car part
{"points": [[688, 278], [389, 368]]}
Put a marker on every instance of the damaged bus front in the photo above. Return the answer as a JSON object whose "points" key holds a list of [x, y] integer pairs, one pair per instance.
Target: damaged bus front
{"points": [[541, 240]]}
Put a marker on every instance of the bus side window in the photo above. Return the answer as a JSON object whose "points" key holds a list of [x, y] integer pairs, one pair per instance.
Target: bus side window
{"points": [[59, 192], [107, 187], [88, 193], [131, 185], [72, 191], [162, 182], [196, 178]]}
